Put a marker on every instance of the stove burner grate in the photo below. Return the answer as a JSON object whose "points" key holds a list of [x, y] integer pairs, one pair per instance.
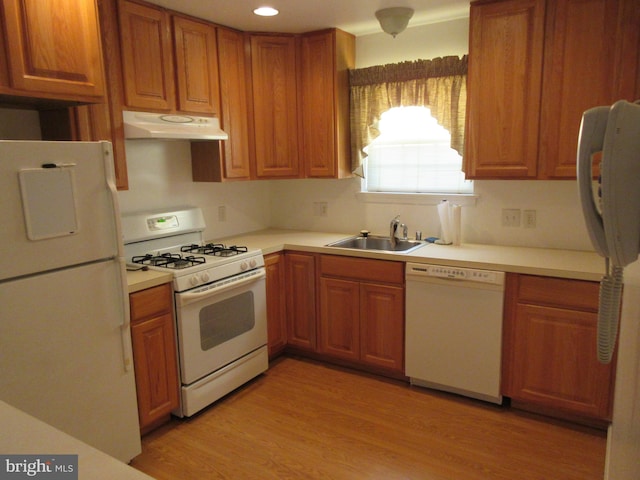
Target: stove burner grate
{"points": [[215, 249], [169, 260]]}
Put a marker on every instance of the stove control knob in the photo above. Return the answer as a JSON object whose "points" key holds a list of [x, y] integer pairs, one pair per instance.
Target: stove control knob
{"points": [[194, 281], [253, 263], [244, 266], [205, 277]]}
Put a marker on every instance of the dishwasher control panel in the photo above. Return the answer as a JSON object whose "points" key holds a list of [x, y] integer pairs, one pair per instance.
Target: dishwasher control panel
{"points": [[456, 273]]}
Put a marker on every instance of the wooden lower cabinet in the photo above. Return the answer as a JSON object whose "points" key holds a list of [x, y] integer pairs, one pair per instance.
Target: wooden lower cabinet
{"points": [[301, 300], [276, 303], [154, 355], [549, 362], [362, 312]]}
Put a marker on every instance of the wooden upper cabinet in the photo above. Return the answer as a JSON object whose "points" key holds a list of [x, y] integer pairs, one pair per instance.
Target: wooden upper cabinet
{"points": [[325, 60], [147, 57], [54, 50], [584, 59], [273, 71], [534, 67], [504, 88], [196, 66], [234, 105]]}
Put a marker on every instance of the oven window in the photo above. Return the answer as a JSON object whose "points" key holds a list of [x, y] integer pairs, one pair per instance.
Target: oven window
{"points": [[225, 320]]}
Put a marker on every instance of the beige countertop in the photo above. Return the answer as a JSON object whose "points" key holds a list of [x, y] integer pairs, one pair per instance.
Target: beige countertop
{"points": [[534, 261], [143, 279], [24, 434]]}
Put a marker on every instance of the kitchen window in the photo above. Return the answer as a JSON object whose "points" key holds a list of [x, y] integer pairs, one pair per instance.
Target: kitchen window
{"points": [[413, 154], [407, 126]]}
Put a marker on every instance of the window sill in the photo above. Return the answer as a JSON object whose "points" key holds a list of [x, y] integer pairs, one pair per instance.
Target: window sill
{"points": [[463, 199]]}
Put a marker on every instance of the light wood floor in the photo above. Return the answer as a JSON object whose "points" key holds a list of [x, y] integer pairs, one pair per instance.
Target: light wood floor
{"points": [[305, 420]]}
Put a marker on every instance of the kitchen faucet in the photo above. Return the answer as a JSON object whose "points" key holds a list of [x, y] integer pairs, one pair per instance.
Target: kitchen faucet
{"points": [[393, 229]]}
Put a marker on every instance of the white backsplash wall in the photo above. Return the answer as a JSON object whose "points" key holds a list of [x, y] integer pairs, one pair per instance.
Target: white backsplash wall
{"points": [[559, 221], [160, 177]]}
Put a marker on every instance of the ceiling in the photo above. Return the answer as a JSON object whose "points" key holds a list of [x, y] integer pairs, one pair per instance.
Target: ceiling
{"points": [[298, 16]]}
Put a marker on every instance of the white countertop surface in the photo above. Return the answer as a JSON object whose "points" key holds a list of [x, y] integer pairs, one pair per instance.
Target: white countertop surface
{"points": [[24, 434]]}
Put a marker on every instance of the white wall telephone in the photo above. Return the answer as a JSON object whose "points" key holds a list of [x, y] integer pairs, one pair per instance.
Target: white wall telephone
{"points": [[613, 221]]}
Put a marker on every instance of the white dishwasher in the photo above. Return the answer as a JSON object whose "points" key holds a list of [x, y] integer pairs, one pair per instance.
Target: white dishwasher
{"points": [[454, 329]]}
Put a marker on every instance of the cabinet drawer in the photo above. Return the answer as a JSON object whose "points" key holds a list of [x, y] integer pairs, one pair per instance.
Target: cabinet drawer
{"points": [[151, 302], [362, 269], [572, 294]]}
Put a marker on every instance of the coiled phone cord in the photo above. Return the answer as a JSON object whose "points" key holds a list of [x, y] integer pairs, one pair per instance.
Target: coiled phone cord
{"points": [[608, 312]]}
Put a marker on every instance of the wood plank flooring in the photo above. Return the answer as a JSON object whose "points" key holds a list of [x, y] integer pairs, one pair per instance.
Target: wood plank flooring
{"points": [[306, 420]]}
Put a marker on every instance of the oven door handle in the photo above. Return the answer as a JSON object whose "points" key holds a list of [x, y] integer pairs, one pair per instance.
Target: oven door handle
{"points": [[185, 298]]}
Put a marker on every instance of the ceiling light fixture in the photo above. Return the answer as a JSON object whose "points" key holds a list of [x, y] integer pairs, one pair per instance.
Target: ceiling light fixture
{"points": [[266, 11], [394, 20]]}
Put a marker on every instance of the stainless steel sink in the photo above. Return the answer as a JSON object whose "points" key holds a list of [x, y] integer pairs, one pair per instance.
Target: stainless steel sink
{"points": [[382, 244]]}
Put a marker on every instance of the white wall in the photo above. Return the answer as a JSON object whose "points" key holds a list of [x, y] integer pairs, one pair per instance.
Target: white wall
{"points": [[416, 43], [160, 177]]}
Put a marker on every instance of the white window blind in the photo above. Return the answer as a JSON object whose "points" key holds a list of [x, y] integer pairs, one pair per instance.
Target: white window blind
{"points": [[413, 155]]}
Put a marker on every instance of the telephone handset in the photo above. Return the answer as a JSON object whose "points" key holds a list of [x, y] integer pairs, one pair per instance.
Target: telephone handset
{"points": [[613, 222]]}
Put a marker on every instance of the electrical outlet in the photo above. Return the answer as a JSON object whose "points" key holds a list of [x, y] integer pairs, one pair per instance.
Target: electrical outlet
{"points": [[222, 213], [510, 217], [529, 218], [320, 209]]}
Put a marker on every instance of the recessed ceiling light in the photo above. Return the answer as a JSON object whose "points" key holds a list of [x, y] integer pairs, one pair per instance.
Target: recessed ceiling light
{"points": [[266, 11]]}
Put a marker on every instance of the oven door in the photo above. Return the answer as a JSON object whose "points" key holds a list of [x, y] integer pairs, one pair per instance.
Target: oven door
{"points": [[219, 323]]}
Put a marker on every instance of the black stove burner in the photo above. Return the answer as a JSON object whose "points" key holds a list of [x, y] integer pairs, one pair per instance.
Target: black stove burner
{"points": [[169, 260], [215, 249]]}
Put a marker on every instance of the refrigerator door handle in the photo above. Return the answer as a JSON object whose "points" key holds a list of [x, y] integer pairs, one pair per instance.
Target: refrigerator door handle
{"points": [[125, 331]]}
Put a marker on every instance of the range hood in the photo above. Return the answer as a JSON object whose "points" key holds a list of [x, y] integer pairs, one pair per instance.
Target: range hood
{"points": [[171, 126]]}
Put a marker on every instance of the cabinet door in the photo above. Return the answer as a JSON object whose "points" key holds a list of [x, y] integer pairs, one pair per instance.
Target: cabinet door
{"points": [[154, 354], [555, 363], [196, 66], [276, 304], [504, 88], [273, 62], [326, 57], [382, 326], [233, 93], [301, 300], [55, 49], [147, 57], [577, 78], [156, 371], [549, 348], [339, 334]]}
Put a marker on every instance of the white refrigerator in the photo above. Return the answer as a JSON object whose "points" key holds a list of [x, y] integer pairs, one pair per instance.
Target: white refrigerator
{"points": [[65, 345]]}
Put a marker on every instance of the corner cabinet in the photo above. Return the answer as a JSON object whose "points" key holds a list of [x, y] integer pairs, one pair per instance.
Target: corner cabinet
{"points": [[276, 303], [531, 77], [154, 354], [53, 50], [549, 344], [362, 312], [325, 59], [300, 271]]}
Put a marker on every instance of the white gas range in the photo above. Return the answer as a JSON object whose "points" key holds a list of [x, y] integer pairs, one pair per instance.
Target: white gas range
{"points": [[220, 301]]}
